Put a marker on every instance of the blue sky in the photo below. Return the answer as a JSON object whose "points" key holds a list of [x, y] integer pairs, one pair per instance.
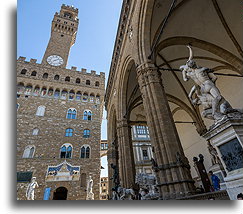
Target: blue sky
{"points": [[98, 22]]}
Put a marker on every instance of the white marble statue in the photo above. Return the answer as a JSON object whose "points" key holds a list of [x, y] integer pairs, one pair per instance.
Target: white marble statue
{"points": [[125, 194], [90, 194], [205, 90], [30, 192]]}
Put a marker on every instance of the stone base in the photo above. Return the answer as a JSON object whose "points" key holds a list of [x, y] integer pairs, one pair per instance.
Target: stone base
{"points": [[234, 183], [227, 138]]}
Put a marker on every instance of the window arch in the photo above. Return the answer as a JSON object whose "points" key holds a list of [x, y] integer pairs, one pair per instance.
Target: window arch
{"points": [[45, 75], [98, 98], [87, 115], [86, 133], [66, 151], [35, 131], [29, 152], [69, 132], [33, 73], [36, 91], [20, 88], [71, 113], [78, 80], [97, 84], [57, 93], [85, 151], [43, 91], [87, 82], [71, 95], [56, 77], [91, 97], [40, 111], [23, 71], [50, 92], [85, 97], [28, 89], [78, 96], [67, 79], [64, 94]]}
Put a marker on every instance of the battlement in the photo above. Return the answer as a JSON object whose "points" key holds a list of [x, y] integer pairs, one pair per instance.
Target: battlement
{"points": [[73, 68], [72, 8]]}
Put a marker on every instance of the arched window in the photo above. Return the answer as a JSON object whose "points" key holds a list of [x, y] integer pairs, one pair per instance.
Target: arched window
{"points": [[87, 82], [66, 151], [85, 97], [85, 151], [43, 91], [40, 111], [23, 71], [35, 131], [36, 91], [91, 98], [69, 132], [67, 79], [28, 89], [71, 95], [97, 84], [33, 73], [78, 80], [87, 115], [29, 152], [20, 88], [64, 94], [56, 77], [57, 93], [86, 133], [71, 113], [45, 75], [78, 96], [98, 98], [50, 92]]}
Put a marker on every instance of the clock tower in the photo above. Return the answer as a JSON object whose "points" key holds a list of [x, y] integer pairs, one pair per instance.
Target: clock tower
{"points": [[63, 34]]}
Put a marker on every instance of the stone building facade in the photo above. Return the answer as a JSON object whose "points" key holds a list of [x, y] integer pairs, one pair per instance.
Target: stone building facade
{"points": [[146, 87], [59, 113]]}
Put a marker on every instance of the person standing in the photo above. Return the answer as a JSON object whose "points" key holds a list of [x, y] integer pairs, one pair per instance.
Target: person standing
{"points": [[215, 180]]}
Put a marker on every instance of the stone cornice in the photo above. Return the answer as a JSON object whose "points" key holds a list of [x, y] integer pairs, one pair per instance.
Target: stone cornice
{"points": [[117, 47]]}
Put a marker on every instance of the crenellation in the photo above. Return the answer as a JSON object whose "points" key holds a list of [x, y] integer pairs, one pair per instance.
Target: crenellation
{"points": [[73, 68], [33, 61], [21, 58], [93, 72]]}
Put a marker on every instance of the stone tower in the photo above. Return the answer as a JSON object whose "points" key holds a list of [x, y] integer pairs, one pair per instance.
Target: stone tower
{"points": [[59, 113], [63, 35]]}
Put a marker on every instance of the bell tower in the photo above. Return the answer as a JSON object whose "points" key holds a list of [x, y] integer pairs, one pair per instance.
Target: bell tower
{"points": [[63, 34]]}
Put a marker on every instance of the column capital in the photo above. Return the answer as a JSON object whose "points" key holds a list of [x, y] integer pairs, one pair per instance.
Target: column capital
{"points": [[122, 123]]}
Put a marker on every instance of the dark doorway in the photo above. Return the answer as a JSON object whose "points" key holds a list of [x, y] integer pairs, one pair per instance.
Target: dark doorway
{"points": [[60, 193]]}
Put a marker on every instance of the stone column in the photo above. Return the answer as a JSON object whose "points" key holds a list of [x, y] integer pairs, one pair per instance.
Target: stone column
{"points": [[174, 178], [126, 158]]}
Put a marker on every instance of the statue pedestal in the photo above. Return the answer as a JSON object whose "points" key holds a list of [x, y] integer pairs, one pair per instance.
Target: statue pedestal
{"points": [[226, 137], [90, 196]]}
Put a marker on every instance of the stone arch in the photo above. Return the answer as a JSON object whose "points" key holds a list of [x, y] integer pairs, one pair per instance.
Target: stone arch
{"points": [[233, 60], [60, 193]]}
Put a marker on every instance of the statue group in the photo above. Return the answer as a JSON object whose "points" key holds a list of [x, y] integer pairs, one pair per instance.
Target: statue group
{"points": [[205, 92]]}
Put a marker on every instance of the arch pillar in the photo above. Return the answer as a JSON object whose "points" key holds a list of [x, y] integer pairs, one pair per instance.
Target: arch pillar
{"points": [[126, 158], [174, 177]]}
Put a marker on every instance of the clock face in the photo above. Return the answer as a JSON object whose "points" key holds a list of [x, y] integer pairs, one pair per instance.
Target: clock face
{"points": [[54, 60]]}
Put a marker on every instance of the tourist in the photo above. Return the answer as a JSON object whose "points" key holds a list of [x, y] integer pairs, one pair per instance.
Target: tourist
{"points": [[215, 180], [240, 196]]}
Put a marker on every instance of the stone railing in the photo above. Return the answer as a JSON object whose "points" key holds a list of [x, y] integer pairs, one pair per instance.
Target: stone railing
{"points": [[219, 195]]}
